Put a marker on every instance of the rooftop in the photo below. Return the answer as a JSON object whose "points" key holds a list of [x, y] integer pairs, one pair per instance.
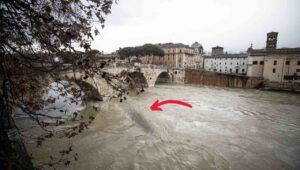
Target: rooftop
{"points": [[217, 47], [226, 55], [275, 51], [196, 45], [173, 45]]}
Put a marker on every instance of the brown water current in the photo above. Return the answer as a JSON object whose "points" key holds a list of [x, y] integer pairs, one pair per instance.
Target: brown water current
{"points": [[225, 129]]}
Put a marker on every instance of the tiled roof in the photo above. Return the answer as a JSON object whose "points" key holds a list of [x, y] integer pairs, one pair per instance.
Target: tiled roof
{"points": [[274, 51], [241, 55]]}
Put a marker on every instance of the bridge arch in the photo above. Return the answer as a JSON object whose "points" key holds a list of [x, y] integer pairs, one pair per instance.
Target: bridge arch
{"points": [[149, 72], [91, 91], [163, 77], [139, 78], [93, 88]]}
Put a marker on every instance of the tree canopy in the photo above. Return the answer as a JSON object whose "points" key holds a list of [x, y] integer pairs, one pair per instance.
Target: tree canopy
{"points": [[147, 49], [32, 34], [50, 25]]}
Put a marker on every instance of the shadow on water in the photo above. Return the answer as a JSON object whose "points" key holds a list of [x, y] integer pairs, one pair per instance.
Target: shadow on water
{"points": [[139, 120]]}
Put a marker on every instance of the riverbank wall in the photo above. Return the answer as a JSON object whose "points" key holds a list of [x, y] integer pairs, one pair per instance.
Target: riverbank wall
{"points": [[282, 86], [222, 80], [178, 76]]}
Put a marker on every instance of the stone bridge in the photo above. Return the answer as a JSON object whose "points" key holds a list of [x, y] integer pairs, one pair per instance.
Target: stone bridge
{"points": [[146, 75], [149, 75]]}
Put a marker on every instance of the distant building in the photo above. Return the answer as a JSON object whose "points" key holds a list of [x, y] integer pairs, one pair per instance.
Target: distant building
{"points": [[198, 58], [181, 56], [217, 51], [176, 55], [225, 63], [274, 64], [109, 59]]}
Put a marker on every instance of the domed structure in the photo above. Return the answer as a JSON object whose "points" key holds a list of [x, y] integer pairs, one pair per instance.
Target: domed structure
{"points": [[197, 46]]}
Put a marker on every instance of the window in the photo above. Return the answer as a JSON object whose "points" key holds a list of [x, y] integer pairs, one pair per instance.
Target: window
{"points": [[261, 62], [243, 70], [230, 70], [220, 70], [243, 63], [274, 70], [275, 63], [254, 62], [237, 63], [230, 63], [298, 70], [287, 62], [298, 63]]}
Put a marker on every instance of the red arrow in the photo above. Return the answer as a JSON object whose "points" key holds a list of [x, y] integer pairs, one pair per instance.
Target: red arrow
{"points": [[156, 104]]}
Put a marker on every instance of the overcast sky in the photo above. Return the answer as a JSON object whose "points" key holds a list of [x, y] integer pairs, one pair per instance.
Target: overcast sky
{"points": [[233, 24]]}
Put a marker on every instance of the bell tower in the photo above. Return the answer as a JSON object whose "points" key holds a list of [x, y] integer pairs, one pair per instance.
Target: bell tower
{"points": [[271, 40]]}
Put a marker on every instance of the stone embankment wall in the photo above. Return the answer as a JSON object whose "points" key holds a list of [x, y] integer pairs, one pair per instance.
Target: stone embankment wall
{"points": [[222, 80], [285, 86], [178, 76]]}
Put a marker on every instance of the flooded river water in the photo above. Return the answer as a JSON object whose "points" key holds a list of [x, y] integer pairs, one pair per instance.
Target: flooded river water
{"points": [[225, 129]]}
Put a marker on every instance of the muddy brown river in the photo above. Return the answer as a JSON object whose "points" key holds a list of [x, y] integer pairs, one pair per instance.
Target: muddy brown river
{"points": [[225, 129]]}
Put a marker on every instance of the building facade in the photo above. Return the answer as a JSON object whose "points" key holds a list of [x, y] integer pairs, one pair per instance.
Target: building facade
{"points": [[225, 63], [274, 64], [181, 56], [176, 55]]}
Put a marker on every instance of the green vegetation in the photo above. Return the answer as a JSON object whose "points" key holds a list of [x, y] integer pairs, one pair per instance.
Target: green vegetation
{"points": [[147, 49]]}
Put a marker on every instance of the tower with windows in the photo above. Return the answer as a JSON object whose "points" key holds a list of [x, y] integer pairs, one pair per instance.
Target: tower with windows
{"points": [[271, 40]]}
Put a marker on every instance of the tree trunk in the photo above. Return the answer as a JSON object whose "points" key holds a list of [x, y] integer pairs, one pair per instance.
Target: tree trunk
{"points": [[13, 153]]}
